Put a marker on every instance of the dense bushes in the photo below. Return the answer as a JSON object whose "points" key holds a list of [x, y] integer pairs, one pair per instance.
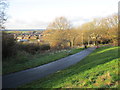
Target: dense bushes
{"points": [[33, 48], [45, 47], [8, 45]]}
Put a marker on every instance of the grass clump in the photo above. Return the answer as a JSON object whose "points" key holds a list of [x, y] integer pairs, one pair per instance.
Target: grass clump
{"points": [[97, 70]]}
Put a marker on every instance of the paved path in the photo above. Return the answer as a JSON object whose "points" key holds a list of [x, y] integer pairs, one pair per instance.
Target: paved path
{"points": [[20, 78]]}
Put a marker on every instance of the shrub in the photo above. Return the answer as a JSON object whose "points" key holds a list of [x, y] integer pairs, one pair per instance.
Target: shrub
{"points": [[8, 45], [45, 47], [33, 48]]}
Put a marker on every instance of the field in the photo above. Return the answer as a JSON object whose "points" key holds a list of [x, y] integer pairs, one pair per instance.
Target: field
{"points": [[97, 70], [25, 60]]}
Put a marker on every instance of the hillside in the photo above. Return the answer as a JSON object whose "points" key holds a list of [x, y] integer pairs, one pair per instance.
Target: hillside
{"points": [[98, 70]]}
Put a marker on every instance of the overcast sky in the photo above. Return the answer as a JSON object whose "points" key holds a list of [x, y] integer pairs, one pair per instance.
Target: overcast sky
{"points": [[37, 14]]}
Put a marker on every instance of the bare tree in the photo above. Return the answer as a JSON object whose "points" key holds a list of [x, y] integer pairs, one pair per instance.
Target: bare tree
{"points": [[102, 30], [60, 23], [3, 18], [57, 32]]}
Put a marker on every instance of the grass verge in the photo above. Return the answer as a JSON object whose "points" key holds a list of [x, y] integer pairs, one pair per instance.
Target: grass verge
{"points": [[97, 70], [25, 60]]}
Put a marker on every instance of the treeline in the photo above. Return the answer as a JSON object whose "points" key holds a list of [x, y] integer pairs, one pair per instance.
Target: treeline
{"points": [[60, 34]]}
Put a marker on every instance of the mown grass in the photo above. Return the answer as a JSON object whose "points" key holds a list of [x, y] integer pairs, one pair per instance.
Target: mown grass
{"points": [[97, 70], [25, 60]]}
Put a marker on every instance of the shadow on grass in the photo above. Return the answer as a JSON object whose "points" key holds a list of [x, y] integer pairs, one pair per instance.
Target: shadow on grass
{"points": [[105, 50]]}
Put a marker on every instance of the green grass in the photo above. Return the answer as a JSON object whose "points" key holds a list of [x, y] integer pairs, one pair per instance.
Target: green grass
{"points": [[97, 70], [24, 60]]}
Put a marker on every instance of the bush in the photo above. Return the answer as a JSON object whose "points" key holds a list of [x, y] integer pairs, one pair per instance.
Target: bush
{"points": [[8, 45], [33, 48], [30, 48], [45, 47]]}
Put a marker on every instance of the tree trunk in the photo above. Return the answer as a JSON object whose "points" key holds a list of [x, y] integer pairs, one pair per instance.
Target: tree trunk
{"points": [[71, 43]]}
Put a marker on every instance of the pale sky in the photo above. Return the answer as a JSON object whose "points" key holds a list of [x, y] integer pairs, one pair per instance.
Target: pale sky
{"points": [[37, 14]]}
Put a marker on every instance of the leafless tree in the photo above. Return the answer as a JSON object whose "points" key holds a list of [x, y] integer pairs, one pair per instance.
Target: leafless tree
{"points": [[60, 23], [3, 16]]}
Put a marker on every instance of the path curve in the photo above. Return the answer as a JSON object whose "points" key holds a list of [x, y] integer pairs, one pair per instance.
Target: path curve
{"points": [[26, 76]]}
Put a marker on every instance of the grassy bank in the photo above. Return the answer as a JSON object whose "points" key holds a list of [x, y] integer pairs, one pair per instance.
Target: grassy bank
{"points": [[25, 60], [98, 70]]}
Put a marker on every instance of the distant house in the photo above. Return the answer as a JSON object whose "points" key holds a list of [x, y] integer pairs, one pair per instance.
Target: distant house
{"points": [[40, 40], [26, 37], [20, 37], [33, 37], [15, 36], [22, 40]]}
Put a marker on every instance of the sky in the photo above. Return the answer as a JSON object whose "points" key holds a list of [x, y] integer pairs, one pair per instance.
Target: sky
{"points": [[37, 14]]}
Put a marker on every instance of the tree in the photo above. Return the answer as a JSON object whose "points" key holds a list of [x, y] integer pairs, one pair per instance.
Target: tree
{"points": [[110, 26], [114, 29], [101, 29], [71, 36], [3, 18], [55, 38], [60, 23], [90, 31], [57, 32]]}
